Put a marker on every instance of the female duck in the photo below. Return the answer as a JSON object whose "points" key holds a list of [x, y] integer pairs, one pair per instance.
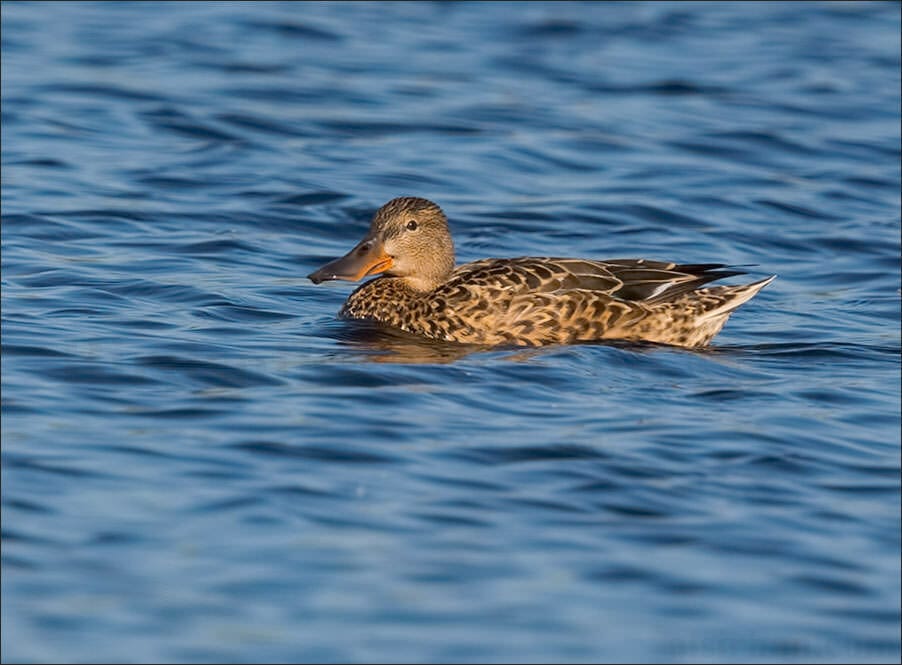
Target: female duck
{"points": [[524, 301]]}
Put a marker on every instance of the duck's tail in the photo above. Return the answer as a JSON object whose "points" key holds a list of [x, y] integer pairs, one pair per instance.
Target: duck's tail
{"points": [[693, 320], [722, 300]]}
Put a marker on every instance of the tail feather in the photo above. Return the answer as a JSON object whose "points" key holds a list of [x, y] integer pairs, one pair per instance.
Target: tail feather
{"points": [[731, 297]]}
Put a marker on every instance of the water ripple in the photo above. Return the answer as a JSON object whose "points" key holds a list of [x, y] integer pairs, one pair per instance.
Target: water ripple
{"points": [[187, 422]]}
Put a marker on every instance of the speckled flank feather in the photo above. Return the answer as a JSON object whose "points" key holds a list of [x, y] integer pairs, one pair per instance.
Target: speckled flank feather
{"points": [[538, 300]]}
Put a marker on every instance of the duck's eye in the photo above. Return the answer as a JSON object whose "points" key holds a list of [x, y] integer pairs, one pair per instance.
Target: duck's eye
{"points": [[412, 225]]}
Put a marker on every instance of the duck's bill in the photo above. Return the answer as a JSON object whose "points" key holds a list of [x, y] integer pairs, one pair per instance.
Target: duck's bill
{"points": [[367, 258]]}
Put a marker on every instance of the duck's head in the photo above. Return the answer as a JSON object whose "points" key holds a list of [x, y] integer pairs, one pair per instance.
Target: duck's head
{"points": [[408, 238]]}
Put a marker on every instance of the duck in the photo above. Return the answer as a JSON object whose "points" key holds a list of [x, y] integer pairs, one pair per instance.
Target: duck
{"points": [[529, 300]]}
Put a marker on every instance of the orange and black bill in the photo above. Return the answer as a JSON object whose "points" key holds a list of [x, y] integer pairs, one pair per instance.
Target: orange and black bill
{"points": [[367, 258]]}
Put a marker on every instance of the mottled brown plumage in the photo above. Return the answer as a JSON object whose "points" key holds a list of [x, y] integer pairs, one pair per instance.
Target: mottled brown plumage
{"points": [[528, 300]]}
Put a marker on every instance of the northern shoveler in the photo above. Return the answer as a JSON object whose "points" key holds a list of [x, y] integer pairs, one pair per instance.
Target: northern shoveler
{"points": [[529, 300]]}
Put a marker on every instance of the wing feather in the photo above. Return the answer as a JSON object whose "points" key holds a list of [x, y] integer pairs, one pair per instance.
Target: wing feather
{"points": [[630, 280]]}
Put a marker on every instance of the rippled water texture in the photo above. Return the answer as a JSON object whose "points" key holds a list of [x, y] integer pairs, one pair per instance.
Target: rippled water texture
{"points": [[201, 463]]}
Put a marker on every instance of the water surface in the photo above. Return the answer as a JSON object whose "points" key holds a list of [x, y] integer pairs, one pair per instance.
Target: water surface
{"points": [[200, 463]]}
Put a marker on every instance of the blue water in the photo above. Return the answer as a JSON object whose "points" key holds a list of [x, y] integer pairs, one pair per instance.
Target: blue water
{"points": [[201, 463]]}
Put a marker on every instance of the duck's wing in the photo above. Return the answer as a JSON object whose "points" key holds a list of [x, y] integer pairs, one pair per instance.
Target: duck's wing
{"points": [[630, 280]]}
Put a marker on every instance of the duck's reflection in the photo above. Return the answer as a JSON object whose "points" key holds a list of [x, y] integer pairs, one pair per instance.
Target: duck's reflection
{"points": [[378, 344], [372, 342]]}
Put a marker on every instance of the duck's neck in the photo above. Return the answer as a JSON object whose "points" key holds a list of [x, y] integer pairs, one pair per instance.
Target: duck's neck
{"points": [[422, 284], [431, 271]]}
